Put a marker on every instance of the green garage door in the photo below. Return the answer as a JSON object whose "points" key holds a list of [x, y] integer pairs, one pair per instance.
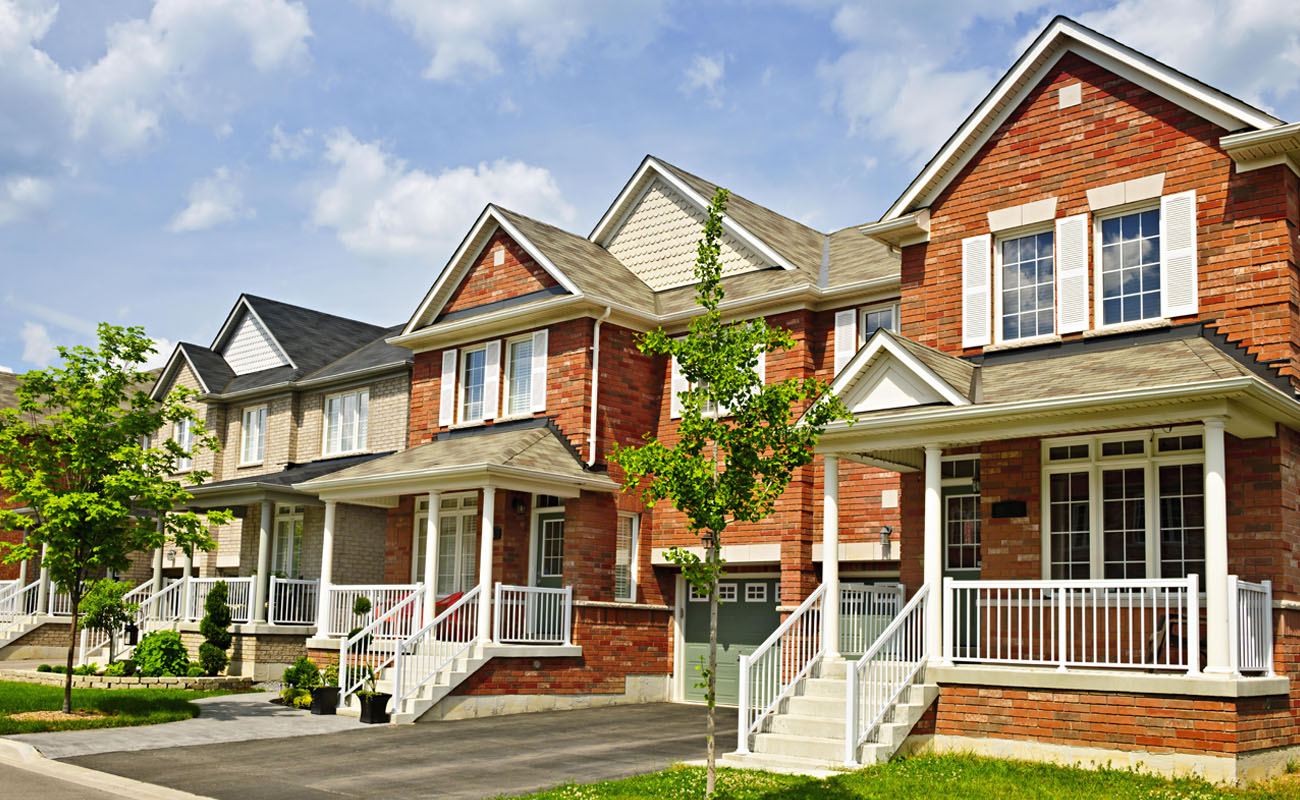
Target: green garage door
{"points": [[746, 617]]}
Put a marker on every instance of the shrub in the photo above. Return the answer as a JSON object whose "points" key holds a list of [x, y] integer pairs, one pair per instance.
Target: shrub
{"points": [[120, 669], [161, 653], [88, 669], [329, 676], [45, 668], [215, 628], [59, 668], [292, 695], [302, 701], [361, 606], [196, 670], [302, 674]]}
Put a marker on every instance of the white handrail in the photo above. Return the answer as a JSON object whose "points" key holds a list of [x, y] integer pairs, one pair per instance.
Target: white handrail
{"points": [[292, 601], [17, 608], [532, 615], [92, 641], [877, 680], [382, 596], [769, 673], [436, 646], [164, 606], [373, 648]]}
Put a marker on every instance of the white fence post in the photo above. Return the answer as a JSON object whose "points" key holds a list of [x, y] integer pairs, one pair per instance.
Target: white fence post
{"points": [[1193, 624], [949, 596], [568, 615], [1268, 627], [851, 715], [500, 612], [742, 737], [270, 602], [1234, 625], [1062, 622], [82, 647]]}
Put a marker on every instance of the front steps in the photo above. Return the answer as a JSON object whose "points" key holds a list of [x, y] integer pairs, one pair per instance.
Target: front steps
{"points": [[415, 706], [20, 629], [806, 732]]}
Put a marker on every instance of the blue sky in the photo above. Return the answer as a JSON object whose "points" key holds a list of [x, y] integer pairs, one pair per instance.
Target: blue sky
{"points": [[156, 159]]}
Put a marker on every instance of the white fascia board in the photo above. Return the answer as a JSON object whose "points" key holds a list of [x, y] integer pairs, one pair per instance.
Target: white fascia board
{"points": [[167, 374], [447, 270], [1060, 36], [884, 340]]}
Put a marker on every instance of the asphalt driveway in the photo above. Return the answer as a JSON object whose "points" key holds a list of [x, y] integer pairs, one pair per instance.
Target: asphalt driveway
{"points": [[461, 759]]}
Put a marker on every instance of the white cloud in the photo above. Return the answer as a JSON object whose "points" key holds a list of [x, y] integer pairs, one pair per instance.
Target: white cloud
{"points": [[291, 146], [23, 196], [465, 38], [223, 130], [54, 316], [379, 206], [158, 359], [212, 201], [38, 347], [8, 370], [706, 73]]}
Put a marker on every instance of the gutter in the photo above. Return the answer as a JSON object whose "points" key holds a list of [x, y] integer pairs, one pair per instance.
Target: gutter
{"points": [[595, 383]]}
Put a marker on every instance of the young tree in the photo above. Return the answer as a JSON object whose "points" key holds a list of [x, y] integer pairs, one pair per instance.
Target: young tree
{"points": [[75, 453], [104, 609], [739, 440]]}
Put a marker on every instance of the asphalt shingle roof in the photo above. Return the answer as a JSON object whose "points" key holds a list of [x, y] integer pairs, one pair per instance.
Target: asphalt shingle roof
{"points": [[291, 474]]}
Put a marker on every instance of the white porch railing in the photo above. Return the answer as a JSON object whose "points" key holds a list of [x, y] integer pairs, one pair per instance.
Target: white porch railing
{"points": [[164, 606], [292, 601], [383, 598], [60, 603], [876, 681], [1250, 625], [375, 647], [865, 611], [239, 599], [769, 673], [17, 608], [1138, 624], [433, 648], [532, 615]]}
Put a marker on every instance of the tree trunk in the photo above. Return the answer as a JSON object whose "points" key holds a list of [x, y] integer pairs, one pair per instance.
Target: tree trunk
{"points": [[72, 646], [711, 778]]}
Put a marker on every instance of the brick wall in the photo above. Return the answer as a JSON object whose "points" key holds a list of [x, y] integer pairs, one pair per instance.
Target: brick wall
{"points": [[386, 422], [488, 282]]}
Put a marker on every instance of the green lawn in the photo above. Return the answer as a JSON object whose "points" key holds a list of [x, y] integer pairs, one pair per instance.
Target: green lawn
{"points": [[946, 777], [125, 707]]}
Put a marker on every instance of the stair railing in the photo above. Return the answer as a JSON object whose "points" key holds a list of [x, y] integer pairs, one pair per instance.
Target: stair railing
{"points": [[888, 668], [374, 648], [768, 675], [94, 641], [17, 609], [435, 647]]}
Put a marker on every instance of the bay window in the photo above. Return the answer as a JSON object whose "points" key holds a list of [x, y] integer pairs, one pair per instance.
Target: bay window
{"points": [[345, 422]]}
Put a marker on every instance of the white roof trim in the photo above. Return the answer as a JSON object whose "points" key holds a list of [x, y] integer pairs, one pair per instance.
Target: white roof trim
{"points": [[617, 213], [172, 363], [1060, 36], [884, 340], [464, 256], [229, 328]]}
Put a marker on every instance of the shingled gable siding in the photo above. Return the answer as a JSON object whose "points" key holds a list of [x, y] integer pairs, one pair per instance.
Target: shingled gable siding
{"points": [[488, 282], [1246, 260]]}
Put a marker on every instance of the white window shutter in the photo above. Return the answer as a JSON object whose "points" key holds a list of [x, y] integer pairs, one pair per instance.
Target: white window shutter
{"points": [[1178, 279], [976, 256], [539, 371], [491, 379], [1072, 274], [846, 337], [676, 385], [447, 389]]}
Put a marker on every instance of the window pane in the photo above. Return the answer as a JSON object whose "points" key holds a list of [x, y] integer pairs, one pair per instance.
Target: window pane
{"points": [[472, 395], [623, 556], [521, 377], [962, 519], [363, 412], [421, 547], [1130, 264], [447, 529], [1123, 504], [552, 548], [1182, 521], [468, 551], [1028, 287], [1068, 517]]}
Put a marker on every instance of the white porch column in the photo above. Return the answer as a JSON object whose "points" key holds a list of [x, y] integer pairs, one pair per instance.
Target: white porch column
{"points": [[43, 591], [1217, 657], [326, 570], [263, 560], [933, 552], [22, 566], [187, 591], [431, 559], [831, 556], [485, 565], [157, 578]]}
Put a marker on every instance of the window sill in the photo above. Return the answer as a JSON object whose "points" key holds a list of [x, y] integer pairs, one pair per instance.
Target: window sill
{"points": [[247, 464], [1029, 341], [1128, 327], [343, 453]]}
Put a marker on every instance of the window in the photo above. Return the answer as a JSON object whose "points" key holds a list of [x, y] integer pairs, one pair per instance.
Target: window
{"points": [[345, 422], [1067, 452], [286, 560], [1124, 523], [253, 445], [1130, 267], [1069, 528], [960, 468], [756, 593], [962, 537], [876, 317], [519, 376], [625, 549], [726, 592], [1026, 279], [457, 541], [1182, 520], [473, 376], [183, 435], [552, 562]]}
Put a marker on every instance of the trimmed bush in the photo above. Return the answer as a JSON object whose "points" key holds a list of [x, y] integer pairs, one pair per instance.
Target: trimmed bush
{"points": [[302, 674], [215, 628], [120, 669], [196, 671], [59, 669], [162, 653], [45, 668], [88, 669]]}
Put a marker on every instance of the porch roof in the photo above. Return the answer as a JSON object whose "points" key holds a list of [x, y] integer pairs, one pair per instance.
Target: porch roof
{"points": [[1162, 376], [272, 485], [526, 456]]}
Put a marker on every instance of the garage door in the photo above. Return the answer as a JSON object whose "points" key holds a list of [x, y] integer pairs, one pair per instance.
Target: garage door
{"points": [[746, 617]]}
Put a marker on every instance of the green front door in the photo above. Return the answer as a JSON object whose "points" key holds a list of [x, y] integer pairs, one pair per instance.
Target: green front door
{"points": [[550, 551], [747, 615]]}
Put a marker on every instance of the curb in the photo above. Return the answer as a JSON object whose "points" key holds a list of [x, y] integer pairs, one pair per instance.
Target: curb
{"points": [[26, 757]]}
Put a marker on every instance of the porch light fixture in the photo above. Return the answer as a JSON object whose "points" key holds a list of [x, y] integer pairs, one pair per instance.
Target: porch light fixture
{"points": [[885, 533], [519, 504]]}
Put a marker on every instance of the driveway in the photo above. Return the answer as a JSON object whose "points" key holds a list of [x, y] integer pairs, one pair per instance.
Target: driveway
{"points": [[461, 759]]}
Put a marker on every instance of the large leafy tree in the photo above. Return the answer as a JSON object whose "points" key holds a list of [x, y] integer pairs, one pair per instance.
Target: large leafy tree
{"points": [[75, 453], [739, 440]]}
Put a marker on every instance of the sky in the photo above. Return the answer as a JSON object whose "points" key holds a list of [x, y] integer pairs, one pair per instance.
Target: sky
{"points": [[159, 158]]}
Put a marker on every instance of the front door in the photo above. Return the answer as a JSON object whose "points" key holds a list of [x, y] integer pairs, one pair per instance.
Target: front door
{"points": [[961, 557], [550, 551]]}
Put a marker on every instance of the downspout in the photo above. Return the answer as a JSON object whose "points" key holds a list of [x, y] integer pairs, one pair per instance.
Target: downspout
{"points": [[595, 384]]}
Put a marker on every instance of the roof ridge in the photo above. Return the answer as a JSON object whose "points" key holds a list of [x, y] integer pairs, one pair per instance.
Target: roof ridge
{"points": [[309, 310], [737, 195]]}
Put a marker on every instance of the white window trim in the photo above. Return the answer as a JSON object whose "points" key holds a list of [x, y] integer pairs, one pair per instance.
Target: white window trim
{"points": [[729, 586], [758, 596], [1008, 235], [506, 362], [1098, 317], [185, 426], [1150, 460], [461, 386], [243, 434], [276, 518], [325, 422], [895, 305], [635, 549], [432, 534]]}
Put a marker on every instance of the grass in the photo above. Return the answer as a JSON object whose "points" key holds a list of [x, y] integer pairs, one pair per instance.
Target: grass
{"points": [[935, 777], [124, 707]]}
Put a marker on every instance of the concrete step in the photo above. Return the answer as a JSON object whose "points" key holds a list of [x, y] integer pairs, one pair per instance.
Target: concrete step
{"points": [[823, 707], [816, 727], [783, 745], [835, 670], [824, 687], [813, 767]]}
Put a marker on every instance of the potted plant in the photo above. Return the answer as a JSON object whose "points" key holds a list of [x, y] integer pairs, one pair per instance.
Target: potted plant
{"points": [[325, 698], [374, 704]]}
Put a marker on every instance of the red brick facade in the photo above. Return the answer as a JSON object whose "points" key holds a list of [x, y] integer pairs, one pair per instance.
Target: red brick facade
{"points": [[489, 282]]}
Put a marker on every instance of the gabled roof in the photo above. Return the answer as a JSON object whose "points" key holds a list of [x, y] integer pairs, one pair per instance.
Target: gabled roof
{"points": [[1064, 35], [311, 339], [891, 371]]}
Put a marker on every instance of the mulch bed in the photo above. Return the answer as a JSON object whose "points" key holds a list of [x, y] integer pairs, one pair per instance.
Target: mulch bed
{"points": [[56, 716]]}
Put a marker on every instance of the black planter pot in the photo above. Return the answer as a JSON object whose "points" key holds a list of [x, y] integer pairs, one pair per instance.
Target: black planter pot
{"points": [[374, 707], [324, 699]]}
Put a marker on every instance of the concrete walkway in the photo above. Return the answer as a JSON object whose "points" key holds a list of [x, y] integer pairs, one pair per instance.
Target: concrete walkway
{"points": [[229, 718], [461, 759]]}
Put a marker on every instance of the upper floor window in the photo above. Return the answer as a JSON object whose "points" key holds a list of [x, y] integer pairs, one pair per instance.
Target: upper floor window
{"points": [[253, 441], [519, 376], [1130, 267], [473, 377], [876, 317], [183, 435], [1026, 280], [345, 422]]}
